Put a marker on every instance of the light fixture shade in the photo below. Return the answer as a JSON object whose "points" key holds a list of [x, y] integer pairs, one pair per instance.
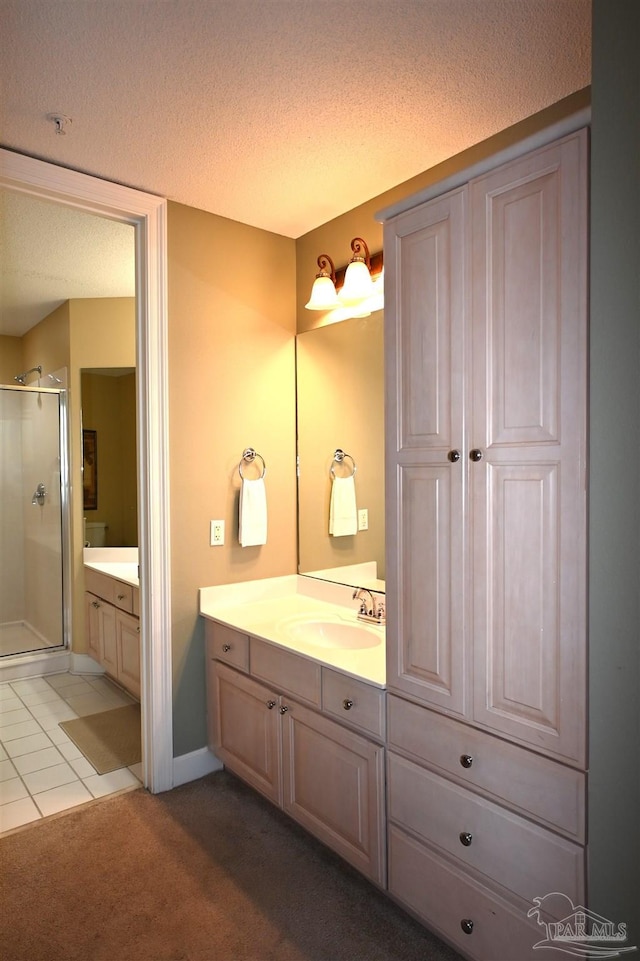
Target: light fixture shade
{"points": [[357, 284], [323, 294]]}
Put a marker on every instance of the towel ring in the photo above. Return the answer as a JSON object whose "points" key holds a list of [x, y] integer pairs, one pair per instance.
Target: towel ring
{"points": [[338, 458], [249, 455]]}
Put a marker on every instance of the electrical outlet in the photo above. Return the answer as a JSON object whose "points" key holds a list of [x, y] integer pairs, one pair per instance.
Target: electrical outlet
{"points": [[363, 519], [217, 533]]}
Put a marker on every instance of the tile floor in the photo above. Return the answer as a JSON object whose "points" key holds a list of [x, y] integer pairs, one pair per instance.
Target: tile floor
{"points": [[42, 772]]}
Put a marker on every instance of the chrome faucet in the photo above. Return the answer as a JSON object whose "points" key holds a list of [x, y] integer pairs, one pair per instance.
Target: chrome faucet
{"points": [[372, 612], [39, 495]]}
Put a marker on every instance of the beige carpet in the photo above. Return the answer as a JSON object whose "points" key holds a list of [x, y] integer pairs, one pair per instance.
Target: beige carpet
{"points": [[109, 740], [206, 872]]}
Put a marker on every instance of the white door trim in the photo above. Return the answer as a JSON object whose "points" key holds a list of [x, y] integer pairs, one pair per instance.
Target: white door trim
{"points": [[148, 214]]}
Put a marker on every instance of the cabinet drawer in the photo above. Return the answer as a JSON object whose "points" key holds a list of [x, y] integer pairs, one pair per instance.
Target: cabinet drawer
{"points": [[353, 702], [225, 644], [286, 671], [443, 897], [109, 589], [544, 789], [517, 854]]}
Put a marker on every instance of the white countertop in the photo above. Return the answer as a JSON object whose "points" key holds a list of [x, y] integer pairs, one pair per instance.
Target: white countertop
{"points": [[261, 609], [118, 562]]}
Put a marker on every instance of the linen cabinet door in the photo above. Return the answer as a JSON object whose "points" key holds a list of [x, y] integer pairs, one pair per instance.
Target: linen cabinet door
{"points": [[92, 625], [426, 466], [334, 787], [528, 442], [244, 728], [108, 640]]}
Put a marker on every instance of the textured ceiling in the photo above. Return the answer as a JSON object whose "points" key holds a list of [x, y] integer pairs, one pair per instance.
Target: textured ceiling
{"points": [[279, 113]]}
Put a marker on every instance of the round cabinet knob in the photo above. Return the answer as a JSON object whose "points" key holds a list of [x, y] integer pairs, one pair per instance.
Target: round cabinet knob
{"points": [[454, 456], [226, 648], [347, 704], [95, 604], [466, 760], [271, 705], [467, 925], [466, 838], [284, 709], [475, 454]]}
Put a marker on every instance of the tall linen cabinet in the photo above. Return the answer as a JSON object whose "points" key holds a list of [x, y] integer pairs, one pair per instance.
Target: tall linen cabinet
{"points": [[485, 352]]}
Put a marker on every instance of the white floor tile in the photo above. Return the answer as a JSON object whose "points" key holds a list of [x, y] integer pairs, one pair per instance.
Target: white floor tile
{"points": [[30, 685], [12, 790], [37, 760], [49, 777], [40, 697], [58, 706], [60, 681], [103, 784], [82, 767], [51, 722], [94, 703], [136, 770], [62, 798], [15, 731], [80, 686], [17, 716], [7, 770], [68, 749], [3, 753], [17, 813], [25, 745], [12, 703], [6, 691], [58, 736]]}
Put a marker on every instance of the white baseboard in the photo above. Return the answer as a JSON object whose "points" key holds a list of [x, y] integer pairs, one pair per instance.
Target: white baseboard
{"points": [[189, 767], [84, 664]]}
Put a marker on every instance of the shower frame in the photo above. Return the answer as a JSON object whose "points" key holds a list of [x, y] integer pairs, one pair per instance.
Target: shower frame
{"points": [[65, 505]]}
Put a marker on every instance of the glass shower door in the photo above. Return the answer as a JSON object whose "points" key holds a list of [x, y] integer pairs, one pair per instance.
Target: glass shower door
{"points": [[33, 513]]}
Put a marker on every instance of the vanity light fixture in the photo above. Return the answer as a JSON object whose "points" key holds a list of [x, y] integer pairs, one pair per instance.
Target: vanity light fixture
{"points": [[349, 291], [323, 292], [358, 285]]}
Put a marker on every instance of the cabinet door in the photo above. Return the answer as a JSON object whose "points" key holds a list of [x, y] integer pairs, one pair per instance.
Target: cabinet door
{"points": [[128, 651], [528, 486], [244, 728], [334, 786], [107, 633], [425, 317], [92, 626]]}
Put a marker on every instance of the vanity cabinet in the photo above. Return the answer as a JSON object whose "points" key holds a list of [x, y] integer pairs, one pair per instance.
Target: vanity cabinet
{"points": [[113, 629], [267, 724], [486, 531]]}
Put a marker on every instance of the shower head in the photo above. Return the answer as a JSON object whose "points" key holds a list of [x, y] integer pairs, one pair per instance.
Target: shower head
{"points": [[20, 378]]}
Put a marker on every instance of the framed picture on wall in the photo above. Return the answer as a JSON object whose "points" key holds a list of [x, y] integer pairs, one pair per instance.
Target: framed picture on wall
{"points": [[90, 470]]}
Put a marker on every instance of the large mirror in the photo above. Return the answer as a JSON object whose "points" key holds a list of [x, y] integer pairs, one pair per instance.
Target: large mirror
{"points": [[340, 406], [109, 457]]}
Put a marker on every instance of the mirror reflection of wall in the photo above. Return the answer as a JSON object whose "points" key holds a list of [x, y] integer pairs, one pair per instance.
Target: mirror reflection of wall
{"points": [[340, 404], [109, 409]]}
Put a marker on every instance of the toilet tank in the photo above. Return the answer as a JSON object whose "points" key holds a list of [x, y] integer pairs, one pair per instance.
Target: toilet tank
{"points": [[95, 533]]}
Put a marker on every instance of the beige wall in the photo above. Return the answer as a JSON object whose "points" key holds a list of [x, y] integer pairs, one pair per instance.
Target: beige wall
{"points": [[10, 358], [48, 342], [231, 386]]}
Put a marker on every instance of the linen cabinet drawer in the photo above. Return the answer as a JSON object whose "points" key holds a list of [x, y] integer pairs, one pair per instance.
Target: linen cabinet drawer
{"points": [[463, 912], [288, 672], [516, 854], [225, 644], [536, 786], [353, 702]]}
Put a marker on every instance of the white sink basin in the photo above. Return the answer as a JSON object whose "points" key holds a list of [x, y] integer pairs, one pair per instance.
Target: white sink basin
{"points": [[331, 633]]}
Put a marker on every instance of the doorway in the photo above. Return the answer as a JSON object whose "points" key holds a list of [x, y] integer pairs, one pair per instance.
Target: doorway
{"points": [[147, 214]]}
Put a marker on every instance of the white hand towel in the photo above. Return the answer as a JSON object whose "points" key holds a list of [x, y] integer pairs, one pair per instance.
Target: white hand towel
{"points": [[253, 513], [343, 516]]}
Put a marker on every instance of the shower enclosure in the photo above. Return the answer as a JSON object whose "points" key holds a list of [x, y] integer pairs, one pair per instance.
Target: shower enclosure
{"points": [[34, 519]]}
